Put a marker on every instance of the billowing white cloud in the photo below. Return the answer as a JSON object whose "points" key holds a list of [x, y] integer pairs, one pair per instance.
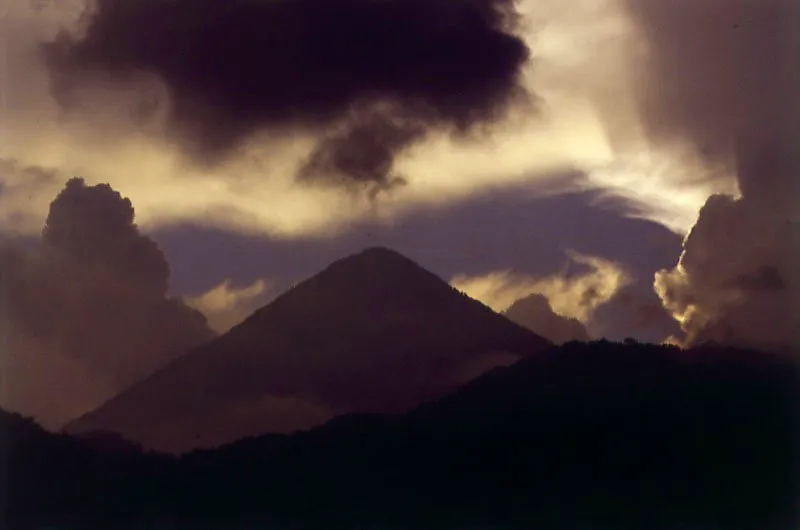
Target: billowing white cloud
{"points": [[721, 80], [737, 281]]}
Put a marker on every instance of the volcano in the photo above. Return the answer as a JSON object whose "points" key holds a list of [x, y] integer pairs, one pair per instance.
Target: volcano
{"points": [[373, 332]]}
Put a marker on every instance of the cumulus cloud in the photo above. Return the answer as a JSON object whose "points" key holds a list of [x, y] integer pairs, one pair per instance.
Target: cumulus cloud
{"points": [[90, 297], [95, 225], [570, 294], [225, 305], [737, 280], [721, 77]]}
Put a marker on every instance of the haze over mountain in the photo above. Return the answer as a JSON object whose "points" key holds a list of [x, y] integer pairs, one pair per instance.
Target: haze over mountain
{"points": [[598, 435], [374, 332]]}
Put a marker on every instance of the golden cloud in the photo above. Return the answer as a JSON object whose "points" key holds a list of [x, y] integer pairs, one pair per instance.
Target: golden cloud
{"points": [[225, 306], [574, 297]]}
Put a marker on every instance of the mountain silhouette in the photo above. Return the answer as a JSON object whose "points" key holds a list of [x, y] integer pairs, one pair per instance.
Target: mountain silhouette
{"points": [[373, 332], [535, 313], [597, 435]]}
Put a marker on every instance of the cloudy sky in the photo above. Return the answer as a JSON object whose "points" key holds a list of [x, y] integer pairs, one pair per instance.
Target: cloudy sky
{"points": [[570, 149]]}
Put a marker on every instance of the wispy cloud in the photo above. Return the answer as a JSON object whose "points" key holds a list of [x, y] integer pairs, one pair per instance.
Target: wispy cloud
{"points": [[226, 306]]}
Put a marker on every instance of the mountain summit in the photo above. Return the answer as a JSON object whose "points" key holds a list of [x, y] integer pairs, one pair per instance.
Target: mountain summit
{"points": [[535, 313], [373, 332]]}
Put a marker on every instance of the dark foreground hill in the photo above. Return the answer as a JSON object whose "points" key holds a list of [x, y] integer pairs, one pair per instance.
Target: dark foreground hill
{"points": [[597, 436], [374, 332]]}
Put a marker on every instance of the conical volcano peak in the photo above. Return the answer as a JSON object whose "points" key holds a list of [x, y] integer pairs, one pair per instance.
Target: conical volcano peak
{"points": [[379, 252], [378, 274], [373, 332], [376, 260]]}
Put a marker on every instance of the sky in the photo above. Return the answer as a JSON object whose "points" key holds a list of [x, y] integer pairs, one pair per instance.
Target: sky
{"points": [[633, 161]]}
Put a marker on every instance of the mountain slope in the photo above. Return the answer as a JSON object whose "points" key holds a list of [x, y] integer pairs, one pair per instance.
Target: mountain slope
{"points": [[597, 435], [534, 312], [373, 332]]}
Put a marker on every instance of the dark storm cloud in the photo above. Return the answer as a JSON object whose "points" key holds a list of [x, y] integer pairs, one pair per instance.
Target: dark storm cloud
{"points": [[235, 67], [363, 151]]}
